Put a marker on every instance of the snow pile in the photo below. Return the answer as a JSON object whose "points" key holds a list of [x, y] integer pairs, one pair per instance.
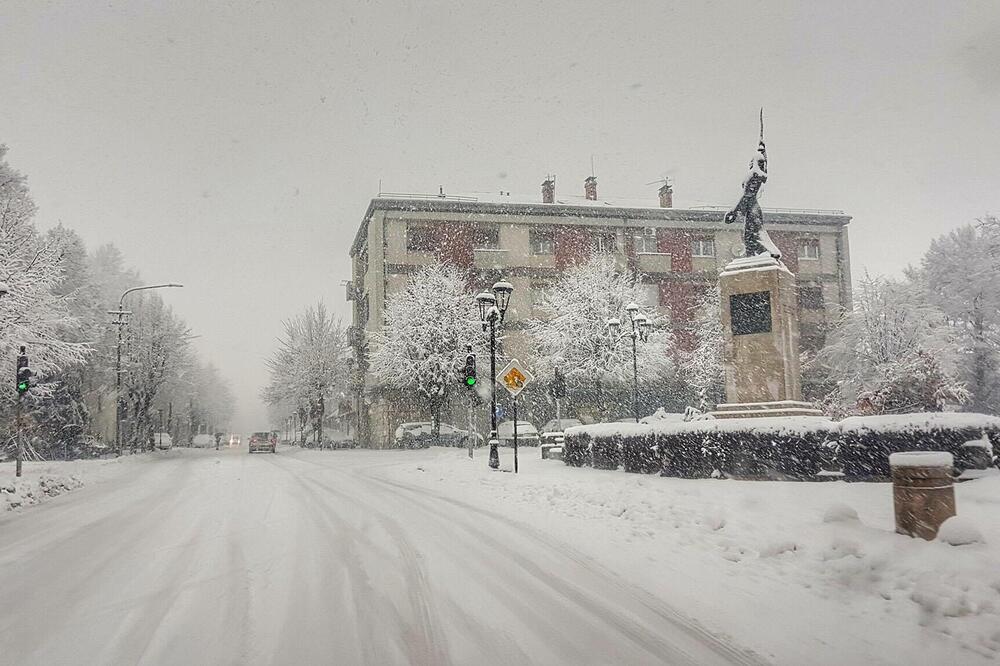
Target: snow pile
{"points": [[32, 489], [766, 561], [41, 481], [959, 532]]}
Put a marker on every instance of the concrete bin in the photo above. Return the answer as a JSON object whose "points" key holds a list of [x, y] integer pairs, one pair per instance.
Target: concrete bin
{"points": [[923, 493]]}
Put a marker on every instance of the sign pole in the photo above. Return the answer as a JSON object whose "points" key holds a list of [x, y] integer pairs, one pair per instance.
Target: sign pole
{"points": [[515, 434]]}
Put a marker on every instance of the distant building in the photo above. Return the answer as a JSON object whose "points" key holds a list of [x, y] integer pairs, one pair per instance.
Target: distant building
{"points": [[677, 252]]}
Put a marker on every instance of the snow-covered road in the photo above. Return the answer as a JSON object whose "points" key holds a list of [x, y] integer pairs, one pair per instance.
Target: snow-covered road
{"points": [[297, 558]]}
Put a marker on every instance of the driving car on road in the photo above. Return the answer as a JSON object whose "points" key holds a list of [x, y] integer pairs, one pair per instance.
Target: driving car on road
{"points": [[527, 434], [263, 441]]}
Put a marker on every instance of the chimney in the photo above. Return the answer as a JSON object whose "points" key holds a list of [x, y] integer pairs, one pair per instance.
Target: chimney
{"points": [[590, 188], [549, 189], [666, 195]]}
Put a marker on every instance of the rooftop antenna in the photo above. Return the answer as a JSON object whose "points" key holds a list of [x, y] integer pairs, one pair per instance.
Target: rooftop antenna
{"points": [[380, 187], [592, 173], [762, 124]]}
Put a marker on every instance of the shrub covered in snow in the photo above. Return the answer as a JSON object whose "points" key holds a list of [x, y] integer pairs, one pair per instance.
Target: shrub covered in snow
{"points": [[576, 447], [790, 446], [866, 442], [736, 447]]}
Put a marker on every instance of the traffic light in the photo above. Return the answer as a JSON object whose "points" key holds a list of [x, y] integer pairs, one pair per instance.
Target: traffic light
{"points": [[469, 376], [559, 385], [23, 373]]}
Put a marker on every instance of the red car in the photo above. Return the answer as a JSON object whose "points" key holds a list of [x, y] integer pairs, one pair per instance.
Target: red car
{"points": [[263, 441]]}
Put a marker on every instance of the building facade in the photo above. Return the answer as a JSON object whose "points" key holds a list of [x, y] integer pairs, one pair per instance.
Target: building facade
{"points": [[677, 253]]}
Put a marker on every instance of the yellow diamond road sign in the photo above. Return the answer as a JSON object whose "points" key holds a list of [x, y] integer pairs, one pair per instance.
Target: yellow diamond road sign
{"points": [[514, 377]]}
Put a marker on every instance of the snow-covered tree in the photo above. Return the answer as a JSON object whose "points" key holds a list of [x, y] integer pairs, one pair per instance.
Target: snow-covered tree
{"points": [[34, 312], [702, 367], [309, 367], [959, 274], [422, 344], [572, 333], [156, 357], [894, 352]]}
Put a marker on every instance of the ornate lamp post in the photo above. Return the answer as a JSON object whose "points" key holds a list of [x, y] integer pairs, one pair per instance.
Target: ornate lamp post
{"points": [[639, 333], [492, 308]]}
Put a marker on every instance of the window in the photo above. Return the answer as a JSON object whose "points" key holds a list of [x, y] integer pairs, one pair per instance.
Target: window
{"points": [[606, 243], [486, 237], [809, 248], [419, 238], [538, 288], [541, 241], [703, 247], [810, 297], [645, 240]]}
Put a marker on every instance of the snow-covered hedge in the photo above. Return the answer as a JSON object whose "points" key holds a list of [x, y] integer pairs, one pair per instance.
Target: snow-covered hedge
{"points": [[793, 446], [866, 442], [737, 447]]}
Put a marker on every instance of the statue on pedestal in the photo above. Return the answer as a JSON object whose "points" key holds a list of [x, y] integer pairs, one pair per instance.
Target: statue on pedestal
{"points": [[747, 210]]}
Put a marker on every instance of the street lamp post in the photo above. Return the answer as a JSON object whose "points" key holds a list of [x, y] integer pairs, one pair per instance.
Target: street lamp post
{"points": [[639, 333], [492, 308], [120, 322]]}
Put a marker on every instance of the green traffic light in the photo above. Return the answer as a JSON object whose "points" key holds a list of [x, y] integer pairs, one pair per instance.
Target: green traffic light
{"points": [[470, 381], [22, 387]]}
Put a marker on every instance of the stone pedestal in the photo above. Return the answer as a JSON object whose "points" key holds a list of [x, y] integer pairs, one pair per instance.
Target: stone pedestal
{"points": [[761, 328], [923, 496]]}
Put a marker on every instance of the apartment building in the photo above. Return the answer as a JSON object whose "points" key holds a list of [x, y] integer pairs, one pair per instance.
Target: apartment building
{"points": [[676, 252]]}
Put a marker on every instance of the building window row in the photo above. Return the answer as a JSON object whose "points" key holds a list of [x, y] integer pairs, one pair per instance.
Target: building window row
{"points": [[422, 238]]}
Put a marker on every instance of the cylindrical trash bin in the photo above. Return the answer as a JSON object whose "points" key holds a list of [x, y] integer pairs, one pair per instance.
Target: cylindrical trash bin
{"points": [[922, 491]]}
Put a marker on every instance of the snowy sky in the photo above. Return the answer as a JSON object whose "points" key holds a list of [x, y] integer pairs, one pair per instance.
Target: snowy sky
{"points": [[234, 146]]}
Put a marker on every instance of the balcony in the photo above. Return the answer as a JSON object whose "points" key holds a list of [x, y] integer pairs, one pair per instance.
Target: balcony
{"points": [[489, 258], [654, 262]]}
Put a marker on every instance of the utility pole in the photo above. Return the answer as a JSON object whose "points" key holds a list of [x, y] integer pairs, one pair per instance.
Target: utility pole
{"points": [[121, 322]]}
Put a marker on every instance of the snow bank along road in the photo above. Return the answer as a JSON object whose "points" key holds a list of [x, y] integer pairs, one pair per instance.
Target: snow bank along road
{"points": [[198, 557]]}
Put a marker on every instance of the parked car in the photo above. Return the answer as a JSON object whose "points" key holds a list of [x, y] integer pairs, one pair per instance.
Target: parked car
{"points": [[203, 441], [412, 435], [452, 436], [527, 434], [263, 441], [552, 432], [163, 441], [420, 435]]}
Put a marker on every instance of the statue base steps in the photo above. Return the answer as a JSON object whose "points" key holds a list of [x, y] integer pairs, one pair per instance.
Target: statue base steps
{"points": [[744, 410]]}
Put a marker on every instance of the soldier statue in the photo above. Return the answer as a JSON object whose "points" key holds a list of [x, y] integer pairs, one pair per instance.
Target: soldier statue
{"points": [[747, 210]]}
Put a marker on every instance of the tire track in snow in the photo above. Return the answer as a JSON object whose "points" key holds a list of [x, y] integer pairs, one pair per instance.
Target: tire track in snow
{"points": [[636, 631]]}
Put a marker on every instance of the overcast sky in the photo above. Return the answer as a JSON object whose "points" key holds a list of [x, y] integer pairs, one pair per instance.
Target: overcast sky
{"points": [[234, 146]]}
